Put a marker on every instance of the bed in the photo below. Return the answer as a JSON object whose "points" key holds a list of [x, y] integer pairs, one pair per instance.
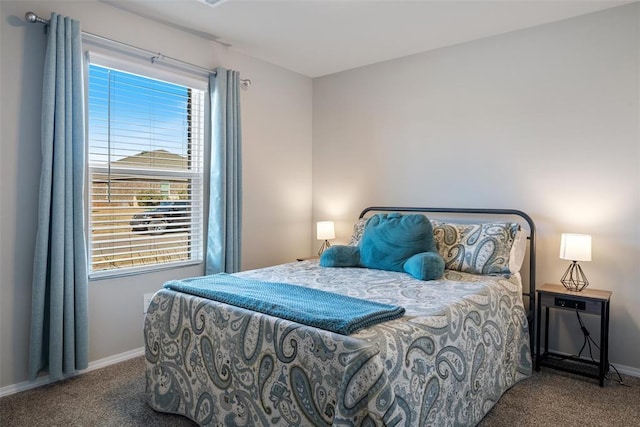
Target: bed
{"points": [[463, 340]]}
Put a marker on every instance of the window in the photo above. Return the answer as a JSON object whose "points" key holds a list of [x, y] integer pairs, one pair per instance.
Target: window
{"points": [[145, 166]]}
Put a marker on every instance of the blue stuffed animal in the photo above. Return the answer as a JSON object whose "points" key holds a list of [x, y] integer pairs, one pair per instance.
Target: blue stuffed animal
{"points": [[393, 242]]}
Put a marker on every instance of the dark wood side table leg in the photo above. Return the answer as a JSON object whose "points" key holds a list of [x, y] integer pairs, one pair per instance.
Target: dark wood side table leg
{"points": [[538, 333], [603, 327], [546, 330], [606, 337]]}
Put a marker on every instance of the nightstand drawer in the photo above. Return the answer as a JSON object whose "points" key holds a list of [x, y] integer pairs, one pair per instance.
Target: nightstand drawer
{"points": [[569, 302]]}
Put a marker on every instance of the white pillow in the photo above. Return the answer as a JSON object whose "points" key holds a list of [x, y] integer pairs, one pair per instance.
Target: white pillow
{"points": [[518, 250]]}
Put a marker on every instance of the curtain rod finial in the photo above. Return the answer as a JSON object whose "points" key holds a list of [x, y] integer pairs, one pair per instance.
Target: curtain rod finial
{"points": [[32, 18]]}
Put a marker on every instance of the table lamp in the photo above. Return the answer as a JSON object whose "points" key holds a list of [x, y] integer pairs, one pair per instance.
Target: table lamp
{"points": [[325, 231], [575, 247]]}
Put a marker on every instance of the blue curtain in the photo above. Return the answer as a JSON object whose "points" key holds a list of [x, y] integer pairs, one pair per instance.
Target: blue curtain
{"points": [[59, 333], [225, 188]]}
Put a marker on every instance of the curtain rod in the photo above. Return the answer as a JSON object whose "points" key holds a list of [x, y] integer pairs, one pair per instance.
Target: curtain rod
{"points": [[33, 18]]}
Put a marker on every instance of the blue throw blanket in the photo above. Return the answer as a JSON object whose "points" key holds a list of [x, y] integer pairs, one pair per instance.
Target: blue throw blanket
{"points": [[326, 310]]}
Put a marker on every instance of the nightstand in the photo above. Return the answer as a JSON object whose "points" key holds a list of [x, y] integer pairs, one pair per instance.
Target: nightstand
{"points": [[590, 301], [308, 258]]}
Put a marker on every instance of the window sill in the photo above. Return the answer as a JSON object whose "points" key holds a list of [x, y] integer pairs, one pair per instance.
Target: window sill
{"points": [[134, 271]]}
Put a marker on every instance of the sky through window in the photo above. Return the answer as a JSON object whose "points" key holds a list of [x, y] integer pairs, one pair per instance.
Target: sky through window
{"points": [[134, 115]]}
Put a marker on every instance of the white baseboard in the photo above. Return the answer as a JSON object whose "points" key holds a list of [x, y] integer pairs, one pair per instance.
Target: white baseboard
{"points": [[627, 370], [97, 364]]}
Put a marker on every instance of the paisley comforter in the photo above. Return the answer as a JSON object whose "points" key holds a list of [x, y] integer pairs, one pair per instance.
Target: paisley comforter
{"points": [[462, 343]]}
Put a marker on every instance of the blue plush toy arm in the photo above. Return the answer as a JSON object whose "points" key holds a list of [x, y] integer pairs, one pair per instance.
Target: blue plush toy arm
{"points": [[425, 266], [340, 256]]}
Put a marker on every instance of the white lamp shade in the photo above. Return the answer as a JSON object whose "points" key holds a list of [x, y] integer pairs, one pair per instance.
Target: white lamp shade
{"points": [[575, 247], [326, 230]]}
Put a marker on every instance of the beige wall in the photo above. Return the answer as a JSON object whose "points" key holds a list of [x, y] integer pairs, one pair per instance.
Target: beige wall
{"points": [[544, 120], [276, 118]]}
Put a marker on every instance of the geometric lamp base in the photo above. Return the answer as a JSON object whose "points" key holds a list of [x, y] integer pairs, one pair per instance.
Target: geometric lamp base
{"points": [[324, 246], [574, 279]]}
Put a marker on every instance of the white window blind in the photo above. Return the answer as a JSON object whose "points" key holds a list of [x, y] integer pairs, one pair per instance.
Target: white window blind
{"points": [[145, 155]]}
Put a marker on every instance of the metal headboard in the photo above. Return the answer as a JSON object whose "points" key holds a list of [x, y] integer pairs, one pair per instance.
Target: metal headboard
{"points": [[531, 294]]}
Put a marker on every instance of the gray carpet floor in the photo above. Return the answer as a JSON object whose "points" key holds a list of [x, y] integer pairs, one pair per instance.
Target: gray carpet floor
{"points": [[114, 396]]}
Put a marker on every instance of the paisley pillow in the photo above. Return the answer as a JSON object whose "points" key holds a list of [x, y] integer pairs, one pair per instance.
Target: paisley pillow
{"points": [[476, 248], [358, 229]]}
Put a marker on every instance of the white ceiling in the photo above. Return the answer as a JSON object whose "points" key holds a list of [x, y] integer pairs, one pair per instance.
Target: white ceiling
{"points": [[319, 37]]}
